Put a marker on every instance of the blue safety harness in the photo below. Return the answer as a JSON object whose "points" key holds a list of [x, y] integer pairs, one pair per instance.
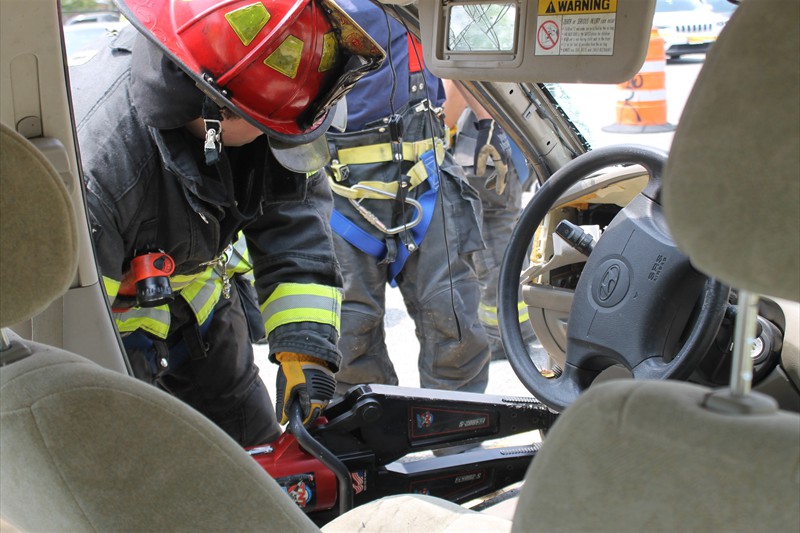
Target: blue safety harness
{"points": [[375, 247]]}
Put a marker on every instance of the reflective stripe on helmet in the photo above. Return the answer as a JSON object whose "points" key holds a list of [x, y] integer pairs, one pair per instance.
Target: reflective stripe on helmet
{"points": [[302, 302]]}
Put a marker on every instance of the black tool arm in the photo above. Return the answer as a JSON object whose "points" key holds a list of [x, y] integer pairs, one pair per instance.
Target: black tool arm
{"points": [[382, 423]]}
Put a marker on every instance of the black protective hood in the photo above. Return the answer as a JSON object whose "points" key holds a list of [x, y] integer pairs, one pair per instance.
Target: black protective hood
{"points": [[165, 96]]}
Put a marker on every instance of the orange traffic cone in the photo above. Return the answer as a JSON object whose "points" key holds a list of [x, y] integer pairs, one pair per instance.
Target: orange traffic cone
{"points": [[642, 106]]}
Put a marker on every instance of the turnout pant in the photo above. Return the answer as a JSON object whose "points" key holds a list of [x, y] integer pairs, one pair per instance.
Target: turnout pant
{"points": [[441, 291], [211, 366], [500, 213]]}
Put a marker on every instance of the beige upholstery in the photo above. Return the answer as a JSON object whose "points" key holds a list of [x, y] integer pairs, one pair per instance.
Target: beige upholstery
{"points": [[735, 159], [649, 457], [83, 448], [87, 449], [415, 514], [38, 242], [732, 181]]}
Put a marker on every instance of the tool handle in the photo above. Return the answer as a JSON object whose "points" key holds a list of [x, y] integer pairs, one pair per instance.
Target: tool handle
{"points": [[315, 448]]}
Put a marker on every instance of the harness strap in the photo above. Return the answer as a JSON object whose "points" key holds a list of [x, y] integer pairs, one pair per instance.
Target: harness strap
{"points": [[381, 153], [416, 174], [377, 248], [428, 202], [352, 233]]}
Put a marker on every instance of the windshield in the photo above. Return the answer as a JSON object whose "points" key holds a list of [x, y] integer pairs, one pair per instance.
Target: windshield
{"points": [[596, 110], [678, 5]]}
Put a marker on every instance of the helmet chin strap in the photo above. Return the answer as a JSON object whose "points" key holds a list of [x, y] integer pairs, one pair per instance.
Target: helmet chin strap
{"points": [[212, 120], [216, 157]]}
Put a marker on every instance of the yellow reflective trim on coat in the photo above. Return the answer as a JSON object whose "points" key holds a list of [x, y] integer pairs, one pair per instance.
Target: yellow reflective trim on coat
{"points": [[522, 307], [154, 320], [302, 302], [112, 288], [201, 291], [239, 261], [203, 294]]}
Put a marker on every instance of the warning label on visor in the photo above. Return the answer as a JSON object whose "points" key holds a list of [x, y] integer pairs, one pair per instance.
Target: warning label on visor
{"points": [[576, 27]]}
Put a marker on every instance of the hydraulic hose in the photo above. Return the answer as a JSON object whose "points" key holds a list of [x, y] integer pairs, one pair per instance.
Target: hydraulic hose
{"points": [[315, 448]]}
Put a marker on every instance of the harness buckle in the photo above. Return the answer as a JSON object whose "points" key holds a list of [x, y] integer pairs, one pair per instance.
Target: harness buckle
{"points": [[340, 171], [424, 105], [396, 136]]}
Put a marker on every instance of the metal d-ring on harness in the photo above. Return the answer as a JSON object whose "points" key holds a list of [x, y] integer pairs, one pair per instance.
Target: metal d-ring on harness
{"points": [[375, 221]]}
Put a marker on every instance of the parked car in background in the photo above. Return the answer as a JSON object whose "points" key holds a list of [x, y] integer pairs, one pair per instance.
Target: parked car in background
{"points": [[95, 16], [723, 7], [80, 35], [687, 26]]}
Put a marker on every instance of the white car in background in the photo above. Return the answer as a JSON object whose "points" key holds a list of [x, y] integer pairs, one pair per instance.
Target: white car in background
{"points": [[687, 26], [79, 36], [723, 7]]}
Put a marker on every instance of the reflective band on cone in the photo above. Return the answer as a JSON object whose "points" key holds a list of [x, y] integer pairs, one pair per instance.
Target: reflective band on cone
{"points": [[642, 104]]}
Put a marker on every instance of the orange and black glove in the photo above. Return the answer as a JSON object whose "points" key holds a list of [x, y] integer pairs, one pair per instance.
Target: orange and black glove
{"points": [[304, 379]]}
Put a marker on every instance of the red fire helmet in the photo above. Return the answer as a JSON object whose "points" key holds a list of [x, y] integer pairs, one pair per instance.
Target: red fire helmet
{"points": [[280, 64]]}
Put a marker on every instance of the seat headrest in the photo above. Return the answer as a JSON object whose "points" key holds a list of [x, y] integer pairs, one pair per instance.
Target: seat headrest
{"points": [[732, 182], [38, 231]]}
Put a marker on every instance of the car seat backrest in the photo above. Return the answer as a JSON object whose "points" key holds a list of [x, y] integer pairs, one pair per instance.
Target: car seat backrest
{"points": [[38, 234], [732, 181], [631, 455]]}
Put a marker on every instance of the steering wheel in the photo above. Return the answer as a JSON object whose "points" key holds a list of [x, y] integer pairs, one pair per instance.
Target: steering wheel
{"points": [[634, 298]]}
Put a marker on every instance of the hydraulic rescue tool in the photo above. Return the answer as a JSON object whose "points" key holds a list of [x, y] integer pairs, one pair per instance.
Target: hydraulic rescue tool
{"points": [[359, 449]]}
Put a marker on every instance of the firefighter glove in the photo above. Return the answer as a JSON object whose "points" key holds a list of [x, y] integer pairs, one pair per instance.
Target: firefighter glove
{"points": [[304, 379], [493, 143]]}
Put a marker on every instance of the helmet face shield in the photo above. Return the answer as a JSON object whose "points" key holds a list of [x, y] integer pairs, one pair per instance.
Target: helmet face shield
{"points": [[280, 64]]}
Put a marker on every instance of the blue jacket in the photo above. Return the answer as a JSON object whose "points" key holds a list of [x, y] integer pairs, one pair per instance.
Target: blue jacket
{"points": [[370, 99]]}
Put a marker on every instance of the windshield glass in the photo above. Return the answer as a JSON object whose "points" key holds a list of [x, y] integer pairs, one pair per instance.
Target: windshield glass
{"points": [[678, 5]]}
